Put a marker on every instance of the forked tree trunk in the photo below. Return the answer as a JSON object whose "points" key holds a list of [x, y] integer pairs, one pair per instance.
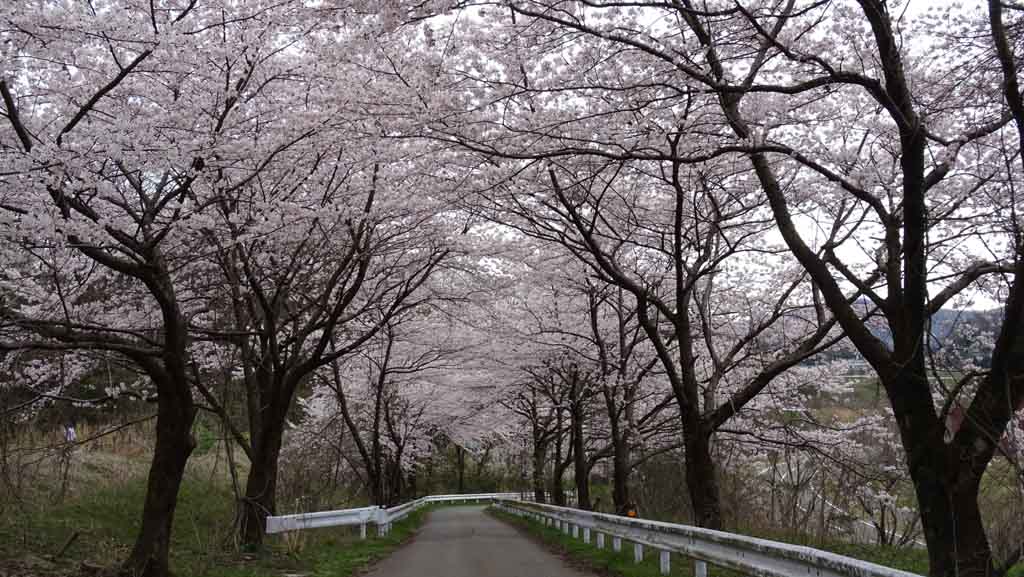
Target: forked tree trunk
{"points": [[946, 480], [174, 444], [950, 516]]}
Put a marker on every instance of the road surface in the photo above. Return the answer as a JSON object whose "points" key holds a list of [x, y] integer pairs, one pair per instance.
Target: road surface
{"points": [[466, 542]]}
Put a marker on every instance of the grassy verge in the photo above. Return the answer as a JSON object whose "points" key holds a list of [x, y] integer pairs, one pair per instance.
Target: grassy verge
{"points": [[103, 522], [333, 561], [621, 564], [605, 561], [913, 560]]}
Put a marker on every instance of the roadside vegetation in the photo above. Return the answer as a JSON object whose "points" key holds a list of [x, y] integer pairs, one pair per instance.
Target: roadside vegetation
{"points": [[89, 528]]}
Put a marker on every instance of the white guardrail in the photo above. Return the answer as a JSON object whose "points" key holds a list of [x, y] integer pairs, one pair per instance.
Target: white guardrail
{"points": [[749, 555], [752, 556], [380, 516]]}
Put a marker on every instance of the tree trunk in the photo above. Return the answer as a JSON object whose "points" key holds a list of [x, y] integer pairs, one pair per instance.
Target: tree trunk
{"points": [[174, 444], [557, 491], [946, 481], [411, 483], [951, 519], [539, 457], [460, 458], [369, 455], [620, 475], [702, 480], [620, 459], [581, 472], [558, 469], [481, 467], [822, 504], [397, 479], [260, 499], [376, 487]]}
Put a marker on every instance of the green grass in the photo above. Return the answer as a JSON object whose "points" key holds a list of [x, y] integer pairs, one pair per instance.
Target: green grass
{"points": [[914, 560], [327, 553], [330, 561], [902, 558], [106, 519], [622, 565]]}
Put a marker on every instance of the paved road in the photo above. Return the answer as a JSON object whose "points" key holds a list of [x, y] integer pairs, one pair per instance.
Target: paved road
{"points": [[466, 542]]}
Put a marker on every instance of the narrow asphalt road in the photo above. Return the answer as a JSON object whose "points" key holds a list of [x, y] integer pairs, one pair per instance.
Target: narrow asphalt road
{"points": [[466, 542]]}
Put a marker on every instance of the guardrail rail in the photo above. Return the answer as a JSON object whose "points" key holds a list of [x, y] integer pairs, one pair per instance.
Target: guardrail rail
{"points": [[749, 555], [380, 516]]}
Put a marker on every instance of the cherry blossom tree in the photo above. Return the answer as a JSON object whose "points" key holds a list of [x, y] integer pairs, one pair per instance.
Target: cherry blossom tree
{"points": [[607, 219], [125, 124], [883, 176], [386, 407], [587, 337], [313, 272]]}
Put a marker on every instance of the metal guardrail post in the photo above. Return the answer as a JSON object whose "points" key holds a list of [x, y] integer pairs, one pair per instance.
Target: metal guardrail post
{"points": [[700, 569], [665, 562], [638, 552], [586, 535], [600, 540], [362, 530], [616, 544]]}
